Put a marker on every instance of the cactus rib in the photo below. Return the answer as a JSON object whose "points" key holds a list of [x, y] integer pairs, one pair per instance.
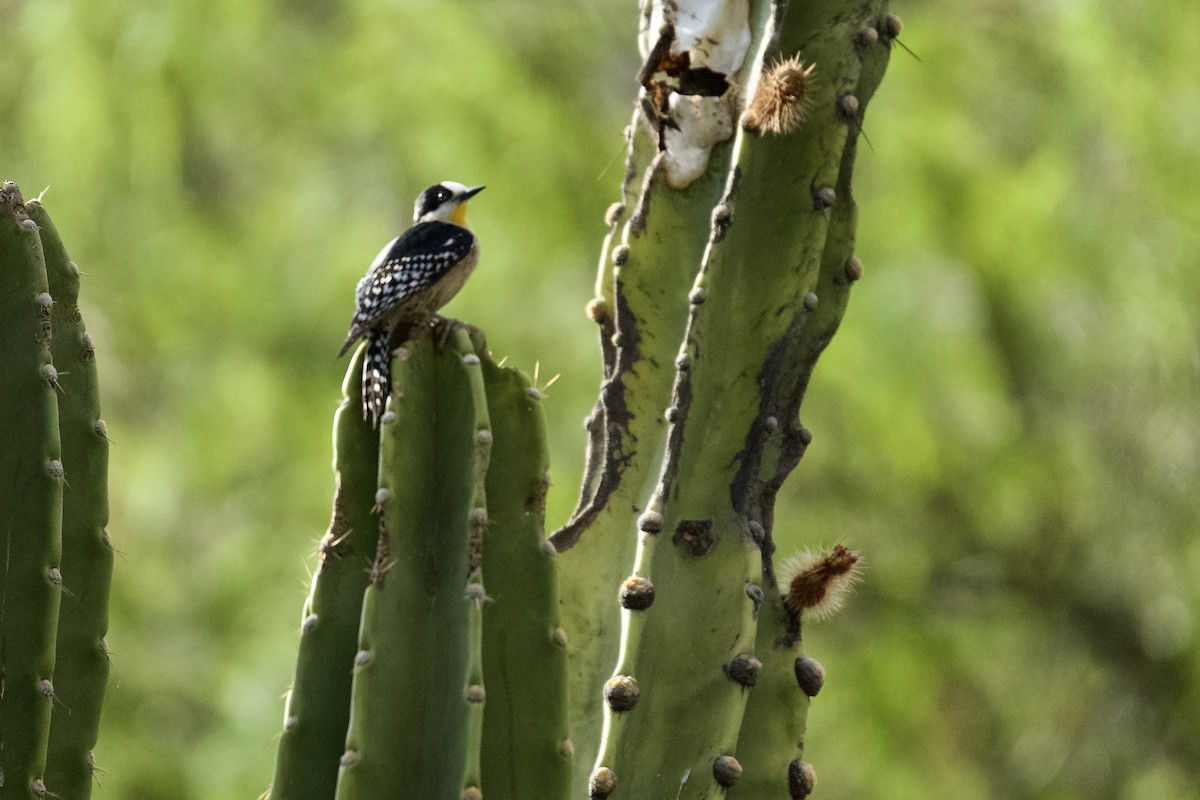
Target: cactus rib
{"points": [[31, 499]]}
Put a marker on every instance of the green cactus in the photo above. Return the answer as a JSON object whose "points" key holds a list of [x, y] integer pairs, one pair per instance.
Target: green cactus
{"points": [[414, 643], [81, 660], [527, 750], [768, 294], [417, 720], [57, 561], [318, 704], [668, 652], [31, 499]]}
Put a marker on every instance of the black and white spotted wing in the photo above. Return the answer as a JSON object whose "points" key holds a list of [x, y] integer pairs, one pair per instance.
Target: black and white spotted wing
{"points": [[409, 264]]}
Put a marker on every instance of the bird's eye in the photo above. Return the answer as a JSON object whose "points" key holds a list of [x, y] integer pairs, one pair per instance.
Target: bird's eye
{"points": [[443, 195]]}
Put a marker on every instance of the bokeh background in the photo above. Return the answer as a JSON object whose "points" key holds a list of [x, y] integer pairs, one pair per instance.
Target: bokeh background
{"points": [[1007, 426]]}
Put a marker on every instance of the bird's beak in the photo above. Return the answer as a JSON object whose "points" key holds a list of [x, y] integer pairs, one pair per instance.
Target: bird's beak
{"points": [[469, 193]]}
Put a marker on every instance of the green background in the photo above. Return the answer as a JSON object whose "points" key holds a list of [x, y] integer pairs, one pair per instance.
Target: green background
{"points": [[1007, 426]]}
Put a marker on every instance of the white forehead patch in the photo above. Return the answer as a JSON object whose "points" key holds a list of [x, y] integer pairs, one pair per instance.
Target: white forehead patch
{"points": [[455, 187]]}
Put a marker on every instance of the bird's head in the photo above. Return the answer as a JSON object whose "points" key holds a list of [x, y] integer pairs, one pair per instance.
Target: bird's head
{"points": [[444, 202]]}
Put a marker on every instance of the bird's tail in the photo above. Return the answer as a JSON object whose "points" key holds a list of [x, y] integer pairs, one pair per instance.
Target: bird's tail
{"points": [[376, 376]]}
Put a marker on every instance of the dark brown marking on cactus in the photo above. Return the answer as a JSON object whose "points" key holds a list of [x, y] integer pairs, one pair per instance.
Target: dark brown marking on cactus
{"points": [[695, 536], [744, 670], [854, 270], [721, 220], [893, 26], [621, 693], [801, 779], [382, 563], [726, 770], [614, 214], [821, 582], [637, 222], [613, 411], [637, 593], [756, 595], [810, 675]]}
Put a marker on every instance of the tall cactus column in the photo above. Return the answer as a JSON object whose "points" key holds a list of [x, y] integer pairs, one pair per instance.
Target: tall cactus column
{"points": [[31, 492], [81, 659], [434, 665], [705, 631], [55, 556]]}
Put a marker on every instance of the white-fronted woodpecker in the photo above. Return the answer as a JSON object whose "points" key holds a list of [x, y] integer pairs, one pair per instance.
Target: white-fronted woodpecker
{"points": [[414, 275]]}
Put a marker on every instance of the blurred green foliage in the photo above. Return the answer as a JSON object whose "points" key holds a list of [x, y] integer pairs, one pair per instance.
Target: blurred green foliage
{"points": [[1007, 424]]}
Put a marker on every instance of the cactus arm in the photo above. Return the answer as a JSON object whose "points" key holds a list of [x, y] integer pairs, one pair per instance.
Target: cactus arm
{"points": [[755, 288], [31, 498], [526, 750], [317, 710], [645, 274], [408, 718], [81, 661], [772, 743]]}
